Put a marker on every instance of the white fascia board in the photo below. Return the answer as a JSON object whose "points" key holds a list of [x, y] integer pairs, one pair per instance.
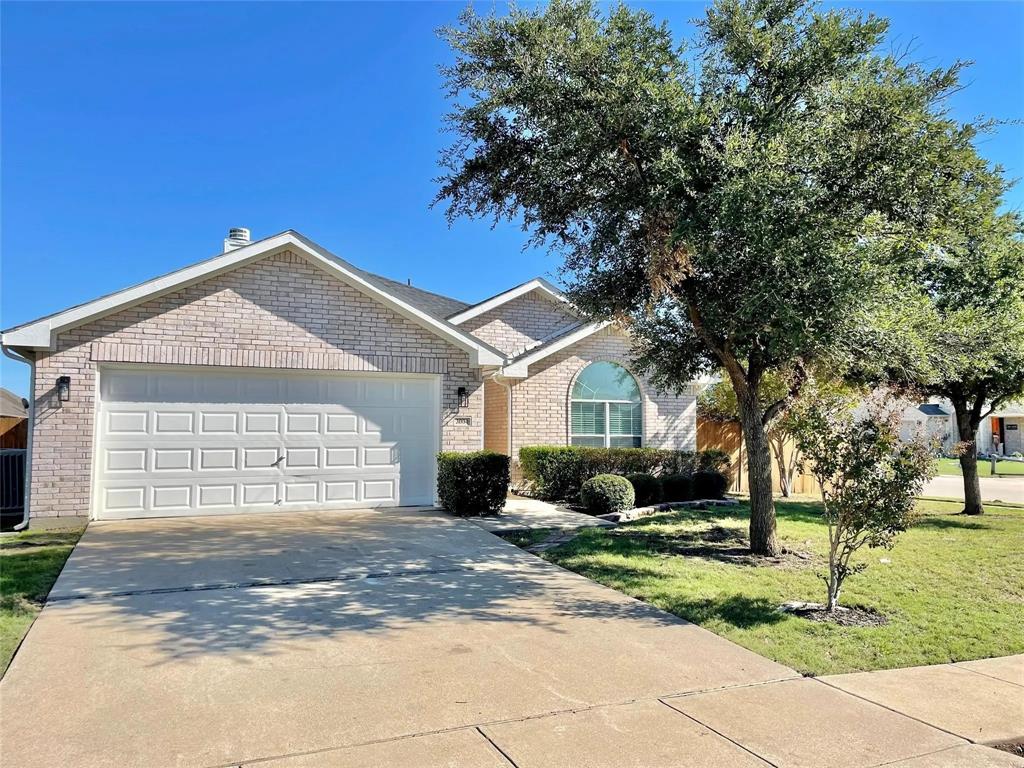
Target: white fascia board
{"points": [[41, 334], [537, 284], [520, 368]]}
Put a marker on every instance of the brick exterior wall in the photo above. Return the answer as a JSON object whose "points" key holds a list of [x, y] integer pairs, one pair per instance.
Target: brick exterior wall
{"points": [[540, 403], [520, 323], [495, 416], [279, 312]]}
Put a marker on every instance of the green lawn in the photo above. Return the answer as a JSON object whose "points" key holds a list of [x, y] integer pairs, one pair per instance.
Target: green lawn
{"points": [[952, 588], [29, 564], [952, 467]]}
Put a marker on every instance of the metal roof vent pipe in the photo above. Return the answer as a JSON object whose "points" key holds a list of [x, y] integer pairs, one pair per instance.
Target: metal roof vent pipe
{"points": [[237, 237]]}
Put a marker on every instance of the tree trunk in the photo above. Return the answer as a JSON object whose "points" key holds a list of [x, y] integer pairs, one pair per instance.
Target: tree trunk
{"points": [[778, 443], [763, 540], [967, 422]]}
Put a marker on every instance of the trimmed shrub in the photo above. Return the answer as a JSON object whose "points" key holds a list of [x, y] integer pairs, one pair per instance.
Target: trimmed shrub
{"points": [[647, 488], [559, 471], [709, 485], [472, 483], [677, 487], [607, 493]]}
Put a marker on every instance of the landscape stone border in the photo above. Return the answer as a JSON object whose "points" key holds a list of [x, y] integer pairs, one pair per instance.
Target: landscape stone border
{"points": [[667, 506]]}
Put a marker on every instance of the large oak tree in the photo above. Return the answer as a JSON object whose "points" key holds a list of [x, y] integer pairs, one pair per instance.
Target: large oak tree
{"points": [[715, 197]]}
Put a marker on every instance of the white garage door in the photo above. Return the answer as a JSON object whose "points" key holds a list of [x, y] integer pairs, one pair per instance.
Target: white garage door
{"points": [[176, 442]]}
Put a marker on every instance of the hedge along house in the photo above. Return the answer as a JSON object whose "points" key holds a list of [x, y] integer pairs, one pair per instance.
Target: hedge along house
{"points": [[276, 376]]}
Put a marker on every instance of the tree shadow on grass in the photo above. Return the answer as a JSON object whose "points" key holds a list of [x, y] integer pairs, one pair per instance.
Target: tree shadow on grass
{"points": [[721, 543], [949, 523], [736, 610]]}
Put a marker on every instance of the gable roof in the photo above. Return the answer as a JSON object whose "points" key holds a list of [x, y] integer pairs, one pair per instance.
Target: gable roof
{"points": [[519, 367], [412, 303], [932, 409], [536, 284]]}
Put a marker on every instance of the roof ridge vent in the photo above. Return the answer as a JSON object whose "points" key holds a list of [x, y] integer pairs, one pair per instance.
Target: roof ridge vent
{"points": [[237, 237]]}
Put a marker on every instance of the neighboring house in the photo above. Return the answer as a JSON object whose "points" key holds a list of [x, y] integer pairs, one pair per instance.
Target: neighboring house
{"points": [[1007, 423], [933, 421], [276, 376]]}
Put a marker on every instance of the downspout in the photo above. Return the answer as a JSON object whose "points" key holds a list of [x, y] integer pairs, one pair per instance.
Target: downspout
{"points": [[31, 428]]}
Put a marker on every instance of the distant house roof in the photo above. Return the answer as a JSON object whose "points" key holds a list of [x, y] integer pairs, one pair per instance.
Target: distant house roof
{"points": [[931, 409], [12, 404]]}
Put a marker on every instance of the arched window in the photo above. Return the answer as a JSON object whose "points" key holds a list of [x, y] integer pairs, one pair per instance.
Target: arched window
{"points": [[605, 408]]}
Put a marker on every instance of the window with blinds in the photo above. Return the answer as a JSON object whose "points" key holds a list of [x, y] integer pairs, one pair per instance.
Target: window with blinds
{"points": [[606, 408]]}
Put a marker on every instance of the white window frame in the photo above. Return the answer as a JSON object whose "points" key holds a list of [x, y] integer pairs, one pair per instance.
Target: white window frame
{"points": [[607, 436]]}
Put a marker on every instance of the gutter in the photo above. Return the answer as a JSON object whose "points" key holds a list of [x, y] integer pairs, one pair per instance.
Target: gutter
{"points": [[31, 428]]}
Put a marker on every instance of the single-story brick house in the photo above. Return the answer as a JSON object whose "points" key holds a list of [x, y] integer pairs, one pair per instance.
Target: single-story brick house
{"points": [[277, 376]]}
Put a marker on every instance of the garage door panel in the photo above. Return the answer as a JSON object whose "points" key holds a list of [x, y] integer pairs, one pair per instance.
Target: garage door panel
{"points": [[218, 459], [218, 423], [127, 423], [261, 423], [173, 422], [341, 424], [379, 490], [172, 497], [131, 499], [259, 458], [300, 442], [341, 458], [302, 423], [300, 493], [216, 496], [125, 460], [302, 458], [172, 459]]}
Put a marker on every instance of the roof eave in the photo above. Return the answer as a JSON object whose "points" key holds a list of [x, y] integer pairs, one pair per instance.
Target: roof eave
{"points": [[520, 368], [537, 283], [41, 334]]}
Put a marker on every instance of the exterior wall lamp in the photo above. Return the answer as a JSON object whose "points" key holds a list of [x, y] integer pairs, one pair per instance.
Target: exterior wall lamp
{"points": [[463, 398], [63, 388]]}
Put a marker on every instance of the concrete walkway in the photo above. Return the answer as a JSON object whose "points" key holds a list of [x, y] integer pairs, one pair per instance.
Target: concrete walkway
{"points": [[1008, 489], [982, 701], [408, 638], [524, 514]]}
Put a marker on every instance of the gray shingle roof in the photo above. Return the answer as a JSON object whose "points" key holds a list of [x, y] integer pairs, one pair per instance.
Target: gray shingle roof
{"points": [[931, 409], [433, 304]]}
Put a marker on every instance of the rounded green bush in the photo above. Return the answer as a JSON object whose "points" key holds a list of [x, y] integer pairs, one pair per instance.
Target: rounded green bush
{"points": [[678, 487], [709, 485], [647, 488], [607, 493]]}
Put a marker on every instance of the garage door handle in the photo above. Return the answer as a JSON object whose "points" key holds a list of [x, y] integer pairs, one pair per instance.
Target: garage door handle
{"points": [[279, 460]]}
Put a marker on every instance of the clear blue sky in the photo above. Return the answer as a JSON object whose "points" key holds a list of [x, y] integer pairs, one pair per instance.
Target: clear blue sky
{"points": [[134, 135]]}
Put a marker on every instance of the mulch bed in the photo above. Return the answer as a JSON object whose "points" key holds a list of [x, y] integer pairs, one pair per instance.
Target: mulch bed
{"points": [[842, 616]]}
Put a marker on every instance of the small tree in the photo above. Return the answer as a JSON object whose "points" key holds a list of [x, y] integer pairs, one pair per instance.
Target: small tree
{"points": [[868, 477]]}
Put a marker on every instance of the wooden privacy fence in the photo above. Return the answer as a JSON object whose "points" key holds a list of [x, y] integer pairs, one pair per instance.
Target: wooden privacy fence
{"points": [[727, 436], [13, 432]]}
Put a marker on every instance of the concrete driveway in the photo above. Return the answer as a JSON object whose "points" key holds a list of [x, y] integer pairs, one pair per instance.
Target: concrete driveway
{"points": [[397, 638]]}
